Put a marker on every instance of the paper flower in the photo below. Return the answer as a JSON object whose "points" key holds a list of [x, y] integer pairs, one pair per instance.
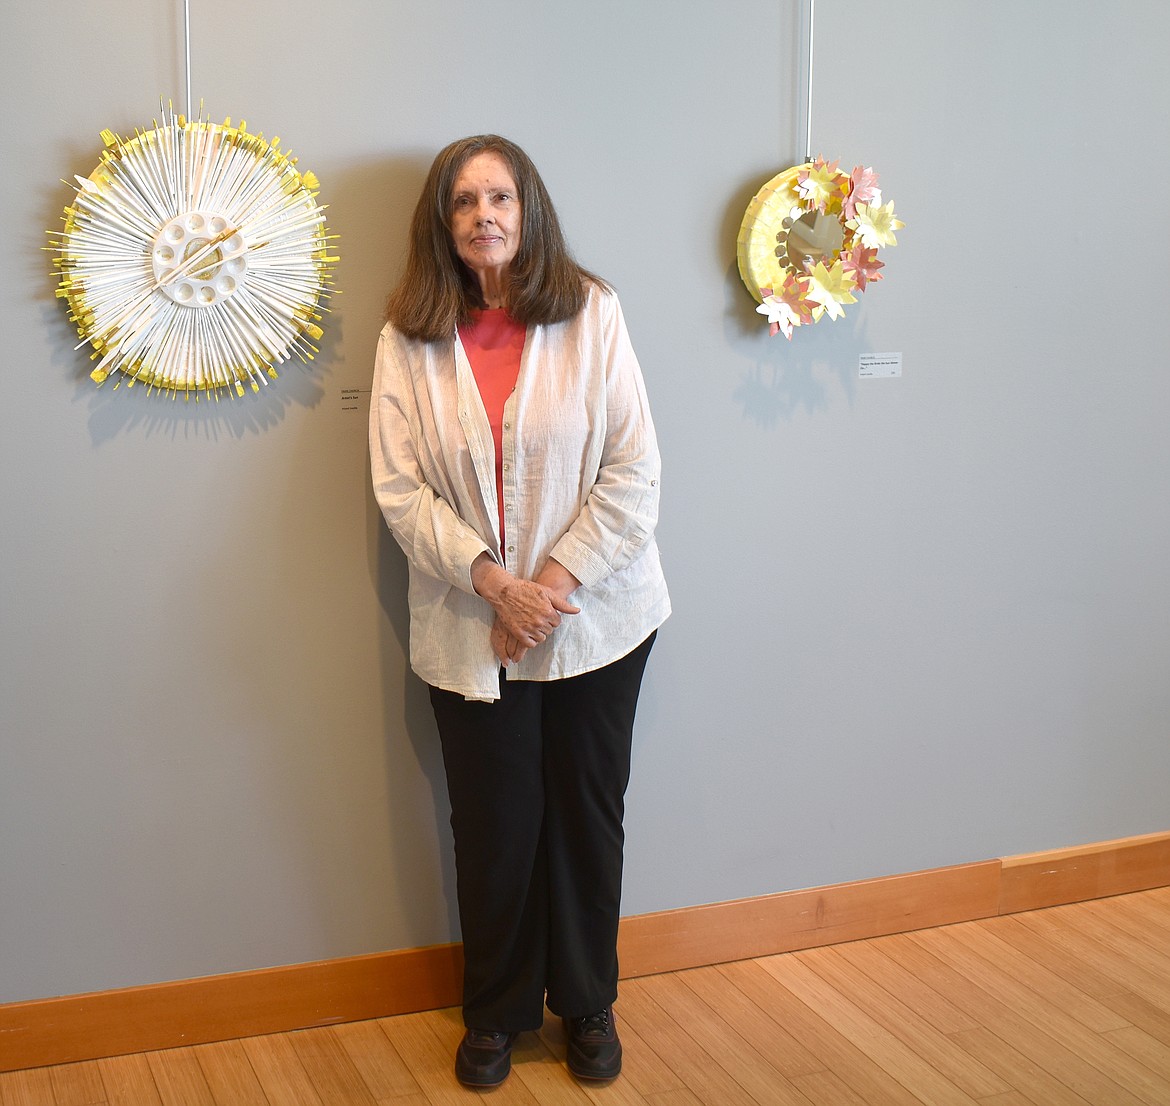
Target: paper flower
{"points": [[195, 258], [875, 225], [820, 185], [863, 189], [790, 212], [862, 263], [830, 287], [778, 316], [787, 308]]}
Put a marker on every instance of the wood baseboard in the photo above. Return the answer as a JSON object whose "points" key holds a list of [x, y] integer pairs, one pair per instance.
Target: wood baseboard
{"points": [[699, 935], [274, 1000], [1037, 880], [224, 1007]]}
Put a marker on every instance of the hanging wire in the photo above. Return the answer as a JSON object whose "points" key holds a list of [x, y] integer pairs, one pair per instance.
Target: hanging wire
{"points": [[808, 89], [187, 45]]}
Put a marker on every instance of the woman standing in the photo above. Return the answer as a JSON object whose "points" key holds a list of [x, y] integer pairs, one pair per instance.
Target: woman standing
{"points": [[515, 461]]}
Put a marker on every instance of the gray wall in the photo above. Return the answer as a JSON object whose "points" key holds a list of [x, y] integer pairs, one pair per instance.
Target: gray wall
{"points": [[918, 621]]}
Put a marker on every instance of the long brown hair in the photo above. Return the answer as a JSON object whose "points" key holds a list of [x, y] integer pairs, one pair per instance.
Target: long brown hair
{"points": [[438, 291]]}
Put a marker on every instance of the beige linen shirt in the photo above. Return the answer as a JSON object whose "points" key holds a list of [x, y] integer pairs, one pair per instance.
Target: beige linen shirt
{"points": [[581, 485]]}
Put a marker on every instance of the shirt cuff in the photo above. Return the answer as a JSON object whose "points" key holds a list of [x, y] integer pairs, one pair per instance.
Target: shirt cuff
{"points": [[580, 560], [461, 561]]}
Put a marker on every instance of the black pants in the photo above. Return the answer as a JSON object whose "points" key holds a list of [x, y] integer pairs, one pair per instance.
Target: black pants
{"points": [[537, 782]]}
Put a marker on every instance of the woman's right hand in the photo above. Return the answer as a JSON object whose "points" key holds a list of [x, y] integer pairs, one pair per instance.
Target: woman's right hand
{"points": [[528, 611]]}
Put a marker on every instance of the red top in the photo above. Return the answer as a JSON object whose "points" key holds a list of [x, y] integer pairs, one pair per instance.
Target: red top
{"points": [[494, 342]]}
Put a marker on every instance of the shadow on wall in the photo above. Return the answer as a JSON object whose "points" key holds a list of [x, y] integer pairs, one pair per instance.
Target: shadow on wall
{"points": [[125, 410], [412, 742], [374, 228]]}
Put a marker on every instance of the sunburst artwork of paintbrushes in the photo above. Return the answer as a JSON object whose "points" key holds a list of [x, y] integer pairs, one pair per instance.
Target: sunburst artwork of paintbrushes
{"points": [[195, 258]]}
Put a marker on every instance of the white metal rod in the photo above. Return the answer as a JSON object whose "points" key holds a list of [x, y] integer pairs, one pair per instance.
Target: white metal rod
{"points": [[187, 41], [808, 91]]}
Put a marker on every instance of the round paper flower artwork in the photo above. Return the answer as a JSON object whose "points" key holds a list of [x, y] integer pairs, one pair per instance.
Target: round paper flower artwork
{"points": [[194, 259], [809, 240]]}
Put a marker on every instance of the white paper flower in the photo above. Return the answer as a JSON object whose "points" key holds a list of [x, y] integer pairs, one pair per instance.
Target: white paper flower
{"points": [[875, 224], [779, 314]]}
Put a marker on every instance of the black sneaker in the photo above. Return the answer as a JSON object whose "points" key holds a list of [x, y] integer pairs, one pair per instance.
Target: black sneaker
{"points": [[594, 1051], [484, 1059]]}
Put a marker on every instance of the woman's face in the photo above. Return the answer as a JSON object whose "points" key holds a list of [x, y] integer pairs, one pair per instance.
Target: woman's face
{"points": [[486, 216]]}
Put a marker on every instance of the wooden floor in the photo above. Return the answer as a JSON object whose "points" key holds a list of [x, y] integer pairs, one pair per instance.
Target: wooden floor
{"points": [[1061, 1006]]}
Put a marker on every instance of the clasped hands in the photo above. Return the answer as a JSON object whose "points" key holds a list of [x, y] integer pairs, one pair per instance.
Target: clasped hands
{"points": [[527, 611]]}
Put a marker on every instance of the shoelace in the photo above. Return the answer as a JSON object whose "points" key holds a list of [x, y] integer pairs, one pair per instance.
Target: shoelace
{"points": [[484, 1035], [594, 1025]]}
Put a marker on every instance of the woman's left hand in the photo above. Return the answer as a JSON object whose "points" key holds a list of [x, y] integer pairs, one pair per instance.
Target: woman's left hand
{"points": [[506, 647]]}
